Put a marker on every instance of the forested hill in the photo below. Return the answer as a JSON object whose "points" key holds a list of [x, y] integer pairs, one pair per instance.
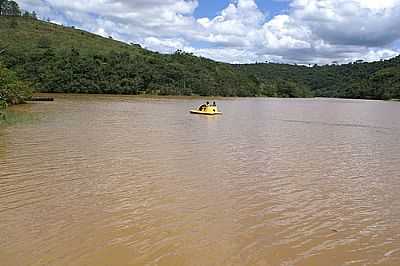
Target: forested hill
{"points": [[54, 58], [376, 80]]}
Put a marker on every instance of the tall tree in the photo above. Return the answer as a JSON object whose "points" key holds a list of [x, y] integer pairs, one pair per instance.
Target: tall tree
{"points": [[14, 8], [9, 8], [2, 6]]}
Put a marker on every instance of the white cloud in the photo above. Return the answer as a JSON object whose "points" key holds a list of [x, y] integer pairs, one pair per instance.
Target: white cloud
{"points": [[164, 45], [350, 22], [310, 31], [233, 25], [283, 32]]}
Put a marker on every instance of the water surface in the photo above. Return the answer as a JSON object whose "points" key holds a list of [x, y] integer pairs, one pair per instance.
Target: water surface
{"points": [[111, 180]]}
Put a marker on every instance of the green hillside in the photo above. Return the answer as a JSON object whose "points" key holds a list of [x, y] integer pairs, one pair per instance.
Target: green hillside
{"points": [[27, 35], [376, 80], [54, 58]]}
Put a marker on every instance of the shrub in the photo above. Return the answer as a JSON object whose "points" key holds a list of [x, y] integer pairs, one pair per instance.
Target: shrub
{"points": [[12, 90]]}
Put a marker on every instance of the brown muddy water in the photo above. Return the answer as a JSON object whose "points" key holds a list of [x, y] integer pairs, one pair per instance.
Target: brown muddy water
{"points": [[109, 180]]}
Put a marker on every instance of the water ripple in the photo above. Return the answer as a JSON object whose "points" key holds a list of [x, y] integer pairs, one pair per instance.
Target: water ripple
{"points": [[101, 180]]}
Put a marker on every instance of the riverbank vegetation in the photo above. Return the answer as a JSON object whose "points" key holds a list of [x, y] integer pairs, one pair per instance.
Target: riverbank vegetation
{"points": [[55, 58], [12, 90]]}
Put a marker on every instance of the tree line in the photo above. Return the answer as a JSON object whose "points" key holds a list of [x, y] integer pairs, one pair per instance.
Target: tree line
{"points": [[11, 8], [358, 80], [71, 70]]}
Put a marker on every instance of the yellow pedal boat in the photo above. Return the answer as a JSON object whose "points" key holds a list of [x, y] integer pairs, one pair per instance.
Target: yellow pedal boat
{"points": [[207, 110]]}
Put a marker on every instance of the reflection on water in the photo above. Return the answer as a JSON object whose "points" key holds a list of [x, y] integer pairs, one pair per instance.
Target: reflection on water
{"points": [[10, 117], [103, 180]]}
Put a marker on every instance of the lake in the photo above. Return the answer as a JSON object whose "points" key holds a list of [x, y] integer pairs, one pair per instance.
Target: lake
{"points": [[122, 180]]}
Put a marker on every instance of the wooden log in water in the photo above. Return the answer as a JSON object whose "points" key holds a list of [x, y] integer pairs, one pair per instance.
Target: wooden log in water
{"points": [[41, 99]]}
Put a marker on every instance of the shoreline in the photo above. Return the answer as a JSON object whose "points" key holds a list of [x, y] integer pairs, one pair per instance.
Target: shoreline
{"points": [[187, 97]]}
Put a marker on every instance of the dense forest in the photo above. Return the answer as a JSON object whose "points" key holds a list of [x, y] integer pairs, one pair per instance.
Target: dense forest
{"points": [[361, 80], [55, 58]]}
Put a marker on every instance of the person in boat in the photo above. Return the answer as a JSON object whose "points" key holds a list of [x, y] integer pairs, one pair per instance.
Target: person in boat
{"points": [[214, 104], [202, 107], [208, 104]]}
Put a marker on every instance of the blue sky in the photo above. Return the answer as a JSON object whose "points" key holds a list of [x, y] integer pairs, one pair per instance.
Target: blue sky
{"points": [[241, 31], [211, 8]]}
